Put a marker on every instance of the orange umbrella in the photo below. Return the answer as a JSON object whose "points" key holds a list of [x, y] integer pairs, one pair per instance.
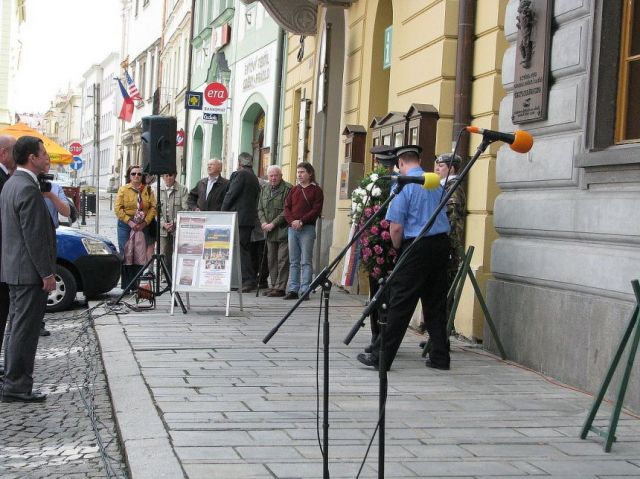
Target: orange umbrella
{"points": [[58, 154]]}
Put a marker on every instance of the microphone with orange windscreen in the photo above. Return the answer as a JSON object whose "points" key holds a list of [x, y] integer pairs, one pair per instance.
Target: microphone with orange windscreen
{"points": [[520, 140]]}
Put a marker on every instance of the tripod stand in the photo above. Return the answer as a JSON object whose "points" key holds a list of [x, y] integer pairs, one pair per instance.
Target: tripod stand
{"points": [[157, 259]]}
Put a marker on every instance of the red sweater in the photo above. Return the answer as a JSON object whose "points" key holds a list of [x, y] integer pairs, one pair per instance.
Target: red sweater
{"points": [[296, 207]]}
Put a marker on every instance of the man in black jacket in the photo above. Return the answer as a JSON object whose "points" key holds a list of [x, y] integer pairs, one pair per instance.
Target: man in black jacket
{"points": [[209, 192], [242, 197]]}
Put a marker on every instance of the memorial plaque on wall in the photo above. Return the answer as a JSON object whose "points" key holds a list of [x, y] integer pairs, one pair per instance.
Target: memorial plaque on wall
{"points": [[531, 80]]}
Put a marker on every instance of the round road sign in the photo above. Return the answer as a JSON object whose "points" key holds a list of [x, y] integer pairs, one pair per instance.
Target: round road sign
{"points": [[77, 163]]}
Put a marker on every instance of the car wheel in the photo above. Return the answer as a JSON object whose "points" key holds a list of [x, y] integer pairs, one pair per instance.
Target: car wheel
{"points": [[65, 293]]}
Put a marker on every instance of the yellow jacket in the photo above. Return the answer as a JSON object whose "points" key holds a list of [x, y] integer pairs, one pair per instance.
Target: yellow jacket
{"points": [[127, 203]]}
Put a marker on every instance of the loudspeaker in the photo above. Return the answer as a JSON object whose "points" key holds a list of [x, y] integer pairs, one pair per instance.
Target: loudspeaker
{"points": [[159, 144]]}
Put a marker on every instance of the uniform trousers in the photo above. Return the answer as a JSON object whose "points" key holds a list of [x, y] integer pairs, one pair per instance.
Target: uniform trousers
{"points": [[423, 276]]}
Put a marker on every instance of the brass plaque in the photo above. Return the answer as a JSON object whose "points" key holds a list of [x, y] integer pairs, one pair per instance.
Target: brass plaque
{"points": [[531, 79]]}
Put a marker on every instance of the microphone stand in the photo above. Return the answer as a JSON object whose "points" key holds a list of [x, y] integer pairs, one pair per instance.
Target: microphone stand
{"points": [[322, 280], [382, 368]]}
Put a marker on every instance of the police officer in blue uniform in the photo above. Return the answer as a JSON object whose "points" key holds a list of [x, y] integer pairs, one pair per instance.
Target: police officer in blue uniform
{"points": [[423, 275]]}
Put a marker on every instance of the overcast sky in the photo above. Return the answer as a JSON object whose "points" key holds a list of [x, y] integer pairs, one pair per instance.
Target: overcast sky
{"points": [[62, 39]]}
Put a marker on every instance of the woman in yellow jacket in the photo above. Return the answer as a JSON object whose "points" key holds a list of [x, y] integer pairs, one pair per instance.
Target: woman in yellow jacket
{"points": [[135, 209]]}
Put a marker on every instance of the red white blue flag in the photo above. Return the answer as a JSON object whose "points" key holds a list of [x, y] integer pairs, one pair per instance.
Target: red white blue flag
{"points": [[133, 89], [124, 103]]}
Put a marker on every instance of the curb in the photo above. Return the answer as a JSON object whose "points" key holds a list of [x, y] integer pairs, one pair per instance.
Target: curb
{"points": [[145, 442]]}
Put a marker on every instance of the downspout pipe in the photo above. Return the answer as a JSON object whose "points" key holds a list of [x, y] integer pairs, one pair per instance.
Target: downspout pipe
{"points": [[464, 73], [277, 99]]}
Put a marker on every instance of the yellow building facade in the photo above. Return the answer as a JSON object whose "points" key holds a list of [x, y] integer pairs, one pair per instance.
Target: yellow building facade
{"points": [[422, 70]]}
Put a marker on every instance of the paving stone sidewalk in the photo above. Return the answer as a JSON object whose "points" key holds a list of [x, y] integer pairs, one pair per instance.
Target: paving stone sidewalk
{"points": [[200, 396], [55, 439]]}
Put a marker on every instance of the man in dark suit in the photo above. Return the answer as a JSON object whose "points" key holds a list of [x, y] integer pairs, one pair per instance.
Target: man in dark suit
{"points": [[7, 165], [242, 197], [28, 264], [209, 192]]}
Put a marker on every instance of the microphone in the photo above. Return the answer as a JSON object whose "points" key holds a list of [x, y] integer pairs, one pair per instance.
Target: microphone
{"points": [[429, 181], [520, 140]]}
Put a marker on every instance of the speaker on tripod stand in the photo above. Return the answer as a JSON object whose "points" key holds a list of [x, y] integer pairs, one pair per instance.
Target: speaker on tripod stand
{"points": [[158, 158]]}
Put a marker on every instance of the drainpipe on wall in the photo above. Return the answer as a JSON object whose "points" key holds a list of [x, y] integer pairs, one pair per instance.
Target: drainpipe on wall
{"points": [[183, 166], [277, 99], [464, 74]]}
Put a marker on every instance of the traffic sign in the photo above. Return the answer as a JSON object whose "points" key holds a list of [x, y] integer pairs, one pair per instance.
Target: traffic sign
{"points": [[193, 100], [75, 148], [215, 98], [180, 137], [77, 163]]}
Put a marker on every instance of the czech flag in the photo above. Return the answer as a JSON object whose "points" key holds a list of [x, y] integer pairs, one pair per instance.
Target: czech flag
{"points": [[124, 103]]}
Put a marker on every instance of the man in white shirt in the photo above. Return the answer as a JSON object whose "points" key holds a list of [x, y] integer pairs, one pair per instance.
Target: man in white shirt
{"points": [[209, 192]]}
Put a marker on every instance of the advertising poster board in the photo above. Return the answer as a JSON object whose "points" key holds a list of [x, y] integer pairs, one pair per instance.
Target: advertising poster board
{"points": [[206, 254]]}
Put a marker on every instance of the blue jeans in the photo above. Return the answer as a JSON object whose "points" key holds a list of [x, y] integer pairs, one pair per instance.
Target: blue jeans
{"points": [[300, 258]]}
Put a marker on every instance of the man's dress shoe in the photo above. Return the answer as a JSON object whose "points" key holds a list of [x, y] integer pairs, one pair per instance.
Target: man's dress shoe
{"points": [[23, 397], [368, 359], [430, 364]]}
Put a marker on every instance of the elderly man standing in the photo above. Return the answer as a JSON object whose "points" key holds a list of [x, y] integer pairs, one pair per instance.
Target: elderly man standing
{"points": [[242, 197], [272, 222], [209, 192], [173, 198], [7, 167], [28, 265]]}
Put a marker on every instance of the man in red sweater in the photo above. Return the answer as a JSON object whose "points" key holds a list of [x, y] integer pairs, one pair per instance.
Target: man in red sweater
{"points": [[302, 207]]}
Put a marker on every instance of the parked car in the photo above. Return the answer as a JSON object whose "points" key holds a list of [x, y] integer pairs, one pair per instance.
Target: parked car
{"points": [[85, 262]]}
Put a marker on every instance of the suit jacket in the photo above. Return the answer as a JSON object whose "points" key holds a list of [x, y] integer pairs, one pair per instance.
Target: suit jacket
{"points": [[28, 234], [242, 196], [198, 195], [3, 179]]}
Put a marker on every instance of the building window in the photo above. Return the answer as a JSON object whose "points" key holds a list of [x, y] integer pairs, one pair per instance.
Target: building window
{"points": [[413, 134], [398, 138], [152, 70], [628, 111], [142, 79]]}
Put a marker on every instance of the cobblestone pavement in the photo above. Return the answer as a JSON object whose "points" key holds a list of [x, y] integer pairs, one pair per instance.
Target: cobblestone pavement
{"points": [[55, 439]]}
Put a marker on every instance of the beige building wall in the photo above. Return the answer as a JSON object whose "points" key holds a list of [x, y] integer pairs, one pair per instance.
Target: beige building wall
{"points": [[423, 68], [299, 82]]}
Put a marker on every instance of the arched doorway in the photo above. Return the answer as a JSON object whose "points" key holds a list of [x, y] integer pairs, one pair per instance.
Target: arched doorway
{"points": [[215, 146], [196, 155], [252, 136]]}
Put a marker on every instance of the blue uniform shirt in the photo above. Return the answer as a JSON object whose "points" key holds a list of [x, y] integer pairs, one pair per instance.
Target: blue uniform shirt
{"points": [[413, 207], [57, 190]]}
